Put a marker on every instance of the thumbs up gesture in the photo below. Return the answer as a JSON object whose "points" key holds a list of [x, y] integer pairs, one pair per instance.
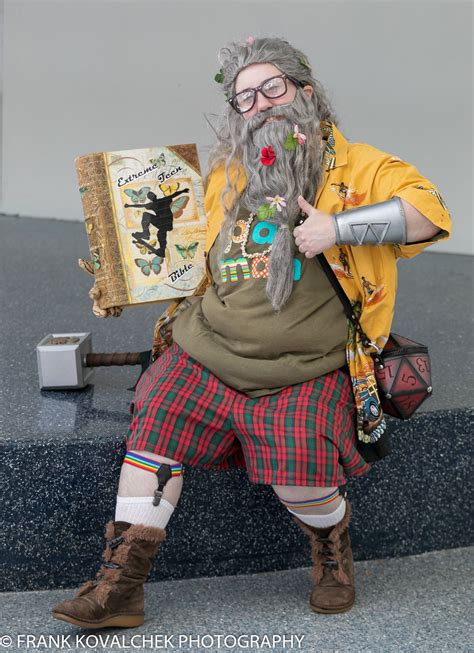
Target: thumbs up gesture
{"points": [[317, 233]]}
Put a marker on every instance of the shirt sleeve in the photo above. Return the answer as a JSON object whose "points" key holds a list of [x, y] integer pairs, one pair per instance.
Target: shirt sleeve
{"points": [[395, 177]]}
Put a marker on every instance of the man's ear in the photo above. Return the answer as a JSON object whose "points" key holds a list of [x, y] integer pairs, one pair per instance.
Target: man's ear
{"points": [[308, 90]]}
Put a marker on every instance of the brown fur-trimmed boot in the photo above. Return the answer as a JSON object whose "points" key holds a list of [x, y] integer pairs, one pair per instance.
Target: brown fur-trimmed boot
{"points": [[116, 598], [333, 568]]}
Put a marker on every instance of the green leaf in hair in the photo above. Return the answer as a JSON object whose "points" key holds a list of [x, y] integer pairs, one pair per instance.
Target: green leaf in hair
{"points": [[304, 63], [290, 142], [265, 211]]}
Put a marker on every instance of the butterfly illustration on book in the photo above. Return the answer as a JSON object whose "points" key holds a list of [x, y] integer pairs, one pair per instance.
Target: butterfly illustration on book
{"points": [[90, 266], [138, 195], [160, 161], [147, 267], [96, 261], [187, 251], [169, 189]]}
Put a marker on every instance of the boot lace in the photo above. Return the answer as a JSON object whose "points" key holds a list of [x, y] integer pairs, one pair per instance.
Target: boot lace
{"points": [[327, 550], [102, 573]]}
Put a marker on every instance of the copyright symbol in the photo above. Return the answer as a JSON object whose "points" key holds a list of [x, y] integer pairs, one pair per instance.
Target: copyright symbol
{"points": [[6, 641]]}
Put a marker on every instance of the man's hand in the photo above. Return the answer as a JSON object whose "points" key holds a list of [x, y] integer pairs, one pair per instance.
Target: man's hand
{"points": [[94, 294], [317, 233]]}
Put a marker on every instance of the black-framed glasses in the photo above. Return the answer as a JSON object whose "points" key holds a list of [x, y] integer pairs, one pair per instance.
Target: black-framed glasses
{"points": [[271, 88]]}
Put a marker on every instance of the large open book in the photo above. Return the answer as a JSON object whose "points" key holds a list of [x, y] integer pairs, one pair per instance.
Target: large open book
{"points": [[145, 222]]}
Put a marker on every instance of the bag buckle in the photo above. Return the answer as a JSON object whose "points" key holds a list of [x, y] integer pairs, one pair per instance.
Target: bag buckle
{"points": [[371, 343]]}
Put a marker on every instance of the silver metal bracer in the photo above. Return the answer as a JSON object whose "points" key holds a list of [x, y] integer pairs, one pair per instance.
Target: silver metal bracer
{"points": [[376, 224]]}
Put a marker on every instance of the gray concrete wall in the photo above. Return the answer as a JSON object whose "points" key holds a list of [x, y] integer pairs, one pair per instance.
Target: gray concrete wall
{"points": [[116, 74]]}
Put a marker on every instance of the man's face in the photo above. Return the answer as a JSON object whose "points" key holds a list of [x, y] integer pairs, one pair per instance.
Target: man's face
{"points": [[253, 76]]}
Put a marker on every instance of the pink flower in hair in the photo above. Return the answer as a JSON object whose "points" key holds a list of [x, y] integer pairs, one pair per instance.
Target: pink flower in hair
{"points": [[297, 135], [248, 42]]}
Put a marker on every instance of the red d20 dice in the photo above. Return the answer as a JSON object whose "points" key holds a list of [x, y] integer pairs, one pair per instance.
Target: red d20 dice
{"points": [[421, 363], [387, 375], [407, 404], [408, 379]]}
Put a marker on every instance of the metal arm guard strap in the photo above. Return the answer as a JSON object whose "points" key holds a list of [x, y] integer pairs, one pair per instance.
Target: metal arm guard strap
{"points": [[375, 224]]}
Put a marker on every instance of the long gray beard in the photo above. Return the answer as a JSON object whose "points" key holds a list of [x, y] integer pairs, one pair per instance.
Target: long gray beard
{"points": [[294, 172]]}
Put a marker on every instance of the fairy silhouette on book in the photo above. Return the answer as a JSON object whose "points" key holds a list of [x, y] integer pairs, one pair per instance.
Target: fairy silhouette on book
{"points": [[162, 219]]}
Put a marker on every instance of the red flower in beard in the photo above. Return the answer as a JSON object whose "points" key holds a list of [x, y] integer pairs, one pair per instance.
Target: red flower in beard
{"points": [[268, 156]]}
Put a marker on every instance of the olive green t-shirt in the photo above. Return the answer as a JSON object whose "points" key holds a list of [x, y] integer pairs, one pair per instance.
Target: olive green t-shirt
{"points": [[234, 332]]}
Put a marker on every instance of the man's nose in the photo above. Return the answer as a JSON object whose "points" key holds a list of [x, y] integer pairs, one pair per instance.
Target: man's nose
{"points": [[262, 103]]}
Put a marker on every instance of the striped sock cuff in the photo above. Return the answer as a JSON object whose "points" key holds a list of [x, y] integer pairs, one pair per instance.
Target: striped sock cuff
{"points": [[150, 465], [323, 521], [310, 503]]}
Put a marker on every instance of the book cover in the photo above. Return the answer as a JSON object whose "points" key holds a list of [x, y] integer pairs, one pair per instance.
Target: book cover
{"points": [[145, 221]]}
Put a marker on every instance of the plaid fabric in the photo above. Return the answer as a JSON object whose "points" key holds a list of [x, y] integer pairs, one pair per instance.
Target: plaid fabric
{"points": [[303, 435]]}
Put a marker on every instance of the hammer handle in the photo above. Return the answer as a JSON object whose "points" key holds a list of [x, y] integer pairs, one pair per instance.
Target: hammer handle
{"points": [[117, 358]]}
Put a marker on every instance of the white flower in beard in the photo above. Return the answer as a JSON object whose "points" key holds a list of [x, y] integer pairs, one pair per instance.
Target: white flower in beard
{"points": [[277, 201]]}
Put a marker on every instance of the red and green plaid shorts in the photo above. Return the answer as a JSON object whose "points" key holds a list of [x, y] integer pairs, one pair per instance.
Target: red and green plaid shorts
{"points": [[302, 435]]}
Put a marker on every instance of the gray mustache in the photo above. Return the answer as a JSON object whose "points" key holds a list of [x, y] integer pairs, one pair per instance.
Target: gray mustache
{"points": [[256, 121]]}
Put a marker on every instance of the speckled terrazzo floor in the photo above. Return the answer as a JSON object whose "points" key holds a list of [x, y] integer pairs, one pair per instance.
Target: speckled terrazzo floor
{"points": [[57, 495], [416, 604]]}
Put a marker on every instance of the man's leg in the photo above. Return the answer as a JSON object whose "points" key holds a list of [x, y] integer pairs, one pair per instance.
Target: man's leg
{"points": [[324, 515], [137, 487], [149, 489]]}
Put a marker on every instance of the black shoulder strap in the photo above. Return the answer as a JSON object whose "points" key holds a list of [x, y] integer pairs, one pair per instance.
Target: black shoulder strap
{"points": [[339, 291], [343, 297]]}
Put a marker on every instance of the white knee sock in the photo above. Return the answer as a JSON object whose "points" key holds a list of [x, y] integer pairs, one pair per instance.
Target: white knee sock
{"points": [[323, 521], [140, 510]]}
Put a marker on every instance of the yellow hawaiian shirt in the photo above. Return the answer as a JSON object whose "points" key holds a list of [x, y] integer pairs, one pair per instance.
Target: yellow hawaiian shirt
{"points": [[356, 174]]}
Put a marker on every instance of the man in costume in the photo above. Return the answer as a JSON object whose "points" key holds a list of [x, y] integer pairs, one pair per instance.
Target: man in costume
{"points": [[260, 368]]}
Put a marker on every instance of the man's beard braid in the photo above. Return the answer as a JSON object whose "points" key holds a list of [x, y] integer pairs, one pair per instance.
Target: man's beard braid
{"points": [[293, 173]]}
